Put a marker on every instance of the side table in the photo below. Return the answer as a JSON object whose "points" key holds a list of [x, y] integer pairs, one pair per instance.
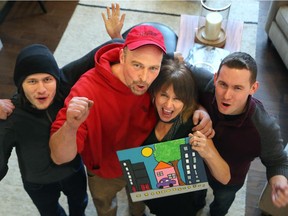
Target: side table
{"points": [[188, 28]]}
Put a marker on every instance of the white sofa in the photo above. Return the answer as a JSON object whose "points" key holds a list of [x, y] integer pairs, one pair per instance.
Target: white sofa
{"points": [[277, 28]]}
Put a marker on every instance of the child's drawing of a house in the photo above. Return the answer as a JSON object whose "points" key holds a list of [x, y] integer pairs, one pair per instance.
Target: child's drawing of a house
{"points": [[165, 175]]}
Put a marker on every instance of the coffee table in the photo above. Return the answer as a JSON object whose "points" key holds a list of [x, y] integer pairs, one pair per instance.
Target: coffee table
{"points": [[189, 25]]}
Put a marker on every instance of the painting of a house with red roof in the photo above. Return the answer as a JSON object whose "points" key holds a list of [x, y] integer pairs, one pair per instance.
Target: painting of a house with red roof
{"points": [[165, 175]]}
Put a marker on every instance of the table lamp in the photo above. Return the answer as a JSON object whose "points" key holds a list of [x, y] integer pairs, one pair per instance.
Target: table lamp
{"points": [[213, 22]]}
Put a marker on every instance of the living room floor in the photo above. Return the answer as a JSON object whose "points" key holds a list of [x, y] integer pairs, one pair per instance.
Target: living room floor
{"points": [[272, 72], [48, 29]]}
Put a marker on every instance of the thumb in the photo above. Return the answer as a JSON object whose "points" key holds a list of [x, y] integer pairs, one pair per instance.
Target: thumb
{"points": [[90, 104]]}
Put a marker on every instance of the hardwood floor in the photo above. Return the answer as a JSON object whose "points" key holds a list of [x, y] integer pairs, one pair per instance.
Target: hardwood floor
{"points": [[26, 23], [273, 92]]}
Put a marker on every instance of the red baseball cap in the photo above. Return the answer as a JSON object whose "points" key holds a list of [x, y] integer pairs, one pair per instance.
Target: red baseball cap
{"points": [[144, 35]]}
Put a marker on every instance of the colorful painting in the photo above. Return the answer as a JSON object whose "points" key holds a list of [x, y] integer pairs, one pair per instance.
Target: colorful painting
{"points": [[162, 169]]}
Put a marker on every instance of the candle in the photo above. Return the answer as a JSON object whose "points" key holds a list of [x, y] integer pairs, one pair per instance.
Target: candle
{"points": [[213, 26]]}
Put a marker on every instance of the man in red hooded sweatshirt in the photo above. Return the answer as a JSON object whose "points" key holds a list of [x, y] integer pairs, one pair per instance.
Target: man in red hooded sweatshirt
{"points": [[109, 109]]}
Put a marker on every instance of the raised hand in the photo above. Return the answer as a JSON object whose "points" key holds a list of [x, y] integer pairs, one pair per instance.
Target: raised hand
{"points": [[280, 195], [114, 21], [77, 111]]}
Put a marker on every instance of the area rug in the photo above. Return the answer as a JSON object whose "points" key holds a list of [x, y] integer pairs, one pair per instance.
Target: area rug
{"points": [[85, 31]]}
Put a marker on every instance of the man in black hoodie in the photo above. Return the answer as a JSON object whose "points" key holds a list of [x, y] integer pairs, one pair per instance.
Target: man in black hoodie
{"points": [[39, 98]]}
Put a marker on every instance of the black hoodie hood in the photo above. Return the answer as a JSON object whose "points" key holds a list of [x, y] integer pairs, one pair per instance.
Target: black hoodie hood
{"points": [[33, 59]]}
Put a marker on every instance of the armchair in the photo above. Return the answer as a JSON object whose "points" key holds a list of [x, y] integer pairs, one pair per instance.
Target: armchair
{"points": [[277, 28]]}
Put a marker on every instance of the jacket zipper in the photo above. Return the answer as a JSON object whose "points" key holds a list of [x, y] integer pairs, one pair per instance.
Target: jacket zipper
{"points": [[48, 115]]}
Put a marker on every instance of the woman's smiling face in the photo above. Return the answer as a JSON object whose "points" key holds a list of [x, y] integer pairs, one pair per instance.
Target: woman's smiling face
{"points": [[167, 104]]}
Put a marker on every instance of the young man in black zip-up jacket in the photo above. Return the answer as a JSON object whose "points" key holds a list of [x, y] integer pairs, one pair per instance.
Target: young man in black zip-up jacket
{"points": [[39, 98]]}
